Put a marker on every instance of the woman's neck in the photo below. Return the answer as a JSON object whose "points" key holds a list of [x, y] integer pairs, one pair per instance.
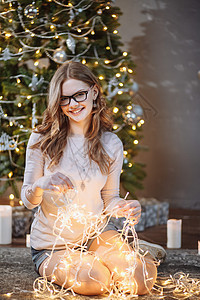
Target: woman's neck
{"points": [[78, 128]]}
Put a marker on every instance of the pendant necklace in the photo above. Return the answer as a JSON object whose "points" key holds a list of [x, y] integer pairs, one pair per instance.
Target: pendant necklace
{"points": [[80, 168]]}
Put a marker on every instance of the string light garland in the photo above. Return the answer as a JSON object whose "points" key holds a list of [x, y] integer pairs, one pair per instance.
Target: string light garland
{"points": [[177, 286]]}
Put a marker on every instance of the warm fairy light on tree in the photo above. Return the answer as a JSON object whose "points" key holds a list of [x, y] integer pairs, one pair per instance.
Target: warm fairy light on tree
{"points": [[115, 110]]}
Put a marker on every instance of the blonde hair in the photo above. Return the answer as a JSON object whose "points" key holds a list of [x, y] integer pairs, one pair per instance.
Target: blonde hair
{"points": [[55, 126]]}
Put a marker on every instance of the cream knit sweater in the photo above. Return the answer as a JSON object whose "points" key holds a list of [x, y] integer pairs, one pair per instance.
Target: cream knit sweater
{"points": [[99, 196]]}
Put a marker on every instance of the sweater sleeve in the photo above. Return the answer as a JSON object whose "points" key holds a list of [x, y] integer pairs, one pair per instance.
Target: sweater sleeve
{"points": [[110, 191], [34, 169]]}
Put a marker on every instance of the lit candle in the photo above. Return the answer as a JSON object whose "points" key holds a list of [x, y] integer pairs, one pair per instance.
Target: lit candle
{"points": [[174, 233], [5, 224]]}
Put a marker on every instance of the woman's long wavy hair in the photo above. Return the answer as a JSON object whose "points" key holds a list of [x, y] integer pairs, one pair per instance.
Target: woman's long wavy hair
{"points": [[55, 126]]}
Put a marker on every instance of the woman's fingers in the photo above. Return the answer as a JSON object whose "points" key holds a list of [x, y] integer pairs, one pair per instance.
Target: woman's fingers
{"points": [[61, 183]]}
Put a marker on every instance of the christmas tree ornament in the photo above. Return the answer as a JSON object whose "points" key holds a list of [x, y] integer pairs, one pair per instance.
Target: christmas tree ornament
{"points": [[31, 11], [59, 55], [133, 114], [71, 44], [34, 119], [7, 55], [7, 142], [135, 87], [35, 83]]}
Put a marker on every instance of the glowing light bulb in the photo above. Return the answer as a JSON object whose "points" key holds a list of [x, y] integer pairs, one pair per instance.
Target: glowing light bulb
{"points": [[122, 171], [38, 51], [107, 7], [19, 104], [105, 28], [142, 121], [96, 62], [123, 69], [56, 36], [52, 27], [115, 31], [115, 109], [10, 174], [121, 84], [36, 63], [106, 61], [18, 80], [114, 15], [32, 34], [125, 152], [11, 197], [11, 123], [129, 107], [130, 71], [134, 127], [139, 124], [135, 142], [69, 24], [130, 165], [107, 48], [20, 202], [83, 61], [17, 150], [1, 97], [8, 294], [125, 53], [118, 75], [120, 92], [101, 77], [115, 127], [79, 30], [92, 32], [88, 22], [10, 20], [70, 4], [7, 35], [20, 50], [28, 97]]}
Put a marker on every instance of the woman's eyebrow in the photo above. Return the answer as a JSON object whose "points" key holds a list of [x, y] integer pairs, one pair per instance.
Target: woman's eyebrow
{"points": [[81, 90]]}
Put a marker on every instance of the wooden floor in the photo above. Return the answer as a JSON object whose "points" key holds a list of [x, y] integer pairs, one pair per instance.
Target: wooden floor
{"points": [[190, 229], [158, 234]]}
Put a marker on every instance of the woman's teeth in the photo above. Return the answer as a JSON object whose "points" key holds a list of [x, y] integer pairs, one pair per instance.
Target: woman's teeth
{"points": [[76, 111]]}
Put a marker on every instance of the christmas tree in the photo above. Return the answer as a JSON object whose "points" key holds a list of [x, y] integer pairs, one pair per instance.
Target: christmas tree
{"points": [[36, 38]]}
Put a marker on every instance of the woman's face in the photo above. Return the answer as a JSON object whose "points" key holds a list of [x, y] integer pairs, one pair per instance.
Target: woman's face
{"points": [[79, 112]]}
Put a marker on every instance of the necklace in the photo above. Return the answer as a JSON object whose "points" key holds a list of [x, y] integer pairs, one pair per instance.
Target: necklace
{"points": [[80, 168]]}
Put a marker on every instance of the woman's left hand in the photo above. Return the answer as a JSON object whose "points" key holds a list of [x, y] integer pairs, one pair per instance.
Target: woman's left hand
{"points": [[130, 209]]}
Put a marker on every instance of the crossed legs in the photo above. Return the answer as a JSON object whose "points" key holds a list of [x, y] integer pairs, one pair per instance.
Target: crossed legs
{"points": [[92, 273]]}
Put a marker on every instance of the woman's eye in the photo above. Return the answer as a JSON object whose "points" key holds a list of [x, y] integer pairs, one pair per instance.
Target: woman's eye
{"points": [[80, 94]]}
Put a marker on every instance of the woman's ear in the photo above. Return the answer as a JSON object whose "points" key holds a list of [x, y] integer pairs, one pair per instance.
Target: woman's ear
{"points": [[95, 92]]}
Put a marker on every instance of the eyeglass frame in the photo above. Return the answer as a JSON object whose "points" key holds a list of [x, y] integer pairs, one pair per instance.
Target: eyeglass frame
{"points": [[72, 97]]}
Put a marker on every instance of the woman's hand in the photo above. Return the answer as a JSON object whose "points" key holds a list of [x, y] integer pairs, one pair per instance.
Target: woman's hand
{"points": [[57, 182], [130, 209]]}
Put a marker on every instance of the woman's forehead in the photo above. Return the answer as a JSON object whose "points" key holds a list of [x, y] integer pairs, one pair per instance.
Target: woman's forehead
{"points": [[71, 86]]}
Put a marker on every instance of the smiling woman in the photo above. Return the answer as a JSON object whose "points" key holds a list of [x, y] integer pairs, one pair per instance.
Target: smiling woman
{"points": [[74, 152]]}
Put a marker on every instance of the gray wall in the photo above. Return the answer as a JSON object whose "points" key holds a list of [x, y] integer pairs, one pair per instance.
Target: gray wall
{"points": [[163, 38]]}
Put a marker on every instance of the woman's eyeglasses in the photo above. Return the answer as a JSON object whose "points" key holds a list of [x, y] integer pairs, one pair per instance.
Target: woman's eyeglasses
{"points": [[78, 97]]}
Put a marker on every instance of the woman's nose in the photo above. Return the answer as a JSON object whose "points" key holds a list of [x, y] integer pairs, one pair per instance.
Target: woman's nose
{"points": [[73, 103]]}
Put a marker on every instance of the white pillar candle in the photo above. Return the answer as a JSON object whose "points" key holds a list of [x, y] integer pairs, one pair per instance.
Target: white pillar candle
{"points": [[5, 224], [174, 233], [28, 240]]}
